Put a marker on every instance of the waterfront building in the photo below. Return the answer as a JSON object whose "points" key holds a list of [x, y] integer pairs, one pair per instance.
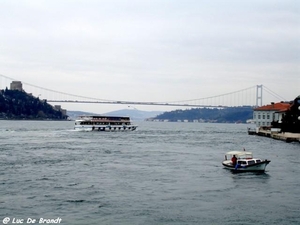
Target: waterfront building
{"points": [[265, 115]]}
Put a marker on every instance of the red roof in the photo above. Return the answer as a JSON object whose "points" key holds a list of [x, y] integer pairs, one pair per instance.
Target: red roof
{"points": [[280, 106]]}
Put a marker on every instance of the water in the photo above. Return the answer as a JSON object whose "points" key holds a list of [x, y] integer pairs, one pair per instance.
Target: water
{"points": [[162, 173]]}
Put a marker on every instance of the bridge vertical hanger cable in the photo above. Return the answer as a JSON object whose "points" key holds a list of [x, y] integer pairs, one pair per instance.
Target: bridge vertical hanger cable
{"points": [[236, 98]]}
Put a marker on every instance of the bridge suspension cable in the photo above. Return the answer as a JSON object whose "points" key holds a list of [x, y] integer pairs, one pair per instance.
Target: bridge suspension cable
{"points": [[242, 97], [59, 92], [274, 94], [216, 96]]}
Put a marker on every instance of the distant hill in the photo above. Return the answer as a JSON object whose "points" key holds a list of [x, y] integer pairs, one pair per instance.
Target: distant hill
{"points": [[74, 114], [226, 115], [134, 114]]}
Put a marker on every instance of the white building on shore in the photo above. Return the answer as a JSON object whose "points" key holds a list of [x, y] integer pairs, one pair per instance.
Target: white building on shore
{"points": [[265, 115]]}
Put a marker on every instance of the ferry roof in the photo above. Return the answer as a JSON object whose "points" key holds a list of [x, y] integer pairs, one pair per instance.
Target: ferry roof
{"points": [[103, 117], [92, 118]]}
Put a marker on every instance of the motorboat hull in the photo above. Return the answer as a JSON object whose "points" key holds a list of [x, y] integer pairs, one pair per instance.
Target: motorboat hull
{"points": [[257, 167]]}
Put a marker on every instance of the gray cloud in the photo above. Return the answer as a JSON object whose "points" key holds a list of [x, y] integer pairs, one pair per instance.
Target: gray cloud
{"points": [[155, 48]]}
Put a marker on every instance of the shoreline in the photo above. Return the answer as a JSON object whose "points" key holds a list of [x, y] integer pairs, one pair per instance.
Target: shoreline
{"points": [[283, 136]]}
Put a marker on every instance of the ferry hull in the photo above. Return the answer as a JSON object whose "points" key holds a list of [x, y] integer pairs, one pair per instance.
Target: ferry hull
{"points": [[105, 128]]}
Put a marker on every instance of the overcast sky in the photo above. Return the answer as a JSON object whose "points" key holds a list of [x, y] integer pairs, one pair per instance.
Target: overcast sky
{"points": [[151, 50]]}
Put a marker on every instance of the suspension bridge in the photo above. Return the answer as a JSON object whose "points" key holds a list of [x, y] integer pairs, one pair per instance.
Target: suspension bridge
{"points": [[252, 96]]}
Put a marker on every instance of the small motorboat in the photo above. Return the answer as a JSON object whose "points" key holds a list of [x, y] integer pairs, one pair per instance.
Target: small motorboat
{"points": [[243, 161]]}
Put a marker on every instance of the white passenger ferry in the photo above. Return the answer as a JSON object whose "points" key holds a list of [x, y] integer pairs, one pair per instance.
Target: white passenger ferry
{"points": [[104, 123]]}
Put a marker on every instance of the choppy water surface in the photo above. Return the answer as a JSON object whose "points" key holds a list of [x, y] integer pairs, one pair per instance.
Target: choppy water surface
{"points": [[162, 173]]}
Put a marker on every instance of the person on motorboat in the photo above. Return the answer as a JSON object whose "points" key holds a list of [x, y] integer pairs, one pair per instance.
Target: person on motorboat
{"points": [[233, 160]]}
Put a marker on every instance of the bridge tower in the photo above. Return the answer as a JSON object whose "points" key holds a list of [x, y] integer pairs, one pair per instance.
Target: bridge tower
{"points": [[259, 91]]}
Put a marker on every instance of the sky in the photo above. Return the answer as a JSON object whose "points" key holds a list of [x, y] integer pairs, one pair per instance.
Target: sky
{"points": [[151, 50]]}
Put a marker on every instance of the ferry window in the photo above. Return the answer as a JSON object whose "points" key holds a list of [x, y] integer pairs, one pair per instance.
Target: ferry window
{"points": [[258, 160], [241, 162], [250, 162]]}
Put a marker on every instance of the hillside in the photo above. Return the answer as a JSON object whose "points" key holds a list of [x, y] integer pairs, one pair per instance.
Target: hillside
{"points": [[227, 115], [16, 104]]}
